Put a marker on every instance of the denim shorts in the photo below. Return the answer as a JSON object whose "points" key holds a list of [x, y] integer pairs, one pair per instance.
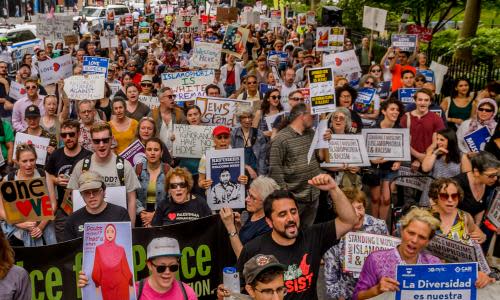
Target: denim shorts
{"points": [[387, 175]]}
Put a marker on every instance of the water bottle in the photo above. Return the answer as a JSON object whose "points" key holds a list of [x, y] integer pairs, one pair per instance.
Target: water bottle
{"points": [[231, 281]]}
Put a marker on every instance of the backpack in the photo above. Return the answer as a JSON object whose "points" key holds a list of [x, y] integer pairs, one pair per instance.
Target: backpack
{"points": [[120, 167], [12, 175]]}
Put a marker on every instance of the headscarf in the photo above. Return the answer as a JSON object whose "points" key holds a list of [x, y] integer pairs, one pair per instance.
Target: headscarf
{"points": [[109, 250], [491, 123]]}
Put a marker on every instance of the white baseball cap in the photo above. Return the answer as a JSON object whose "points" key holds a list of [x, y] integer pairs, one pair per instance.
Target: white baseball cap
{"points": [[163, 246]]}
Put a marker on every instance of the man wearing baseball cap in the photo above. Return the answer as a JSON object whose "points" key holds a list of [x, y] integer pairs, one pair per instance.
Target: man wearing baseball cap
{"points": [[263, 279], [163, 256]]}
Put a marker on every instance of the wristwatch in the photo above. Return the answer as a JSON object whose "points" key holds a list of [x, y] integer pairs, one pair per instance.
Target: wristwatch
{"points": [[231, 234]]}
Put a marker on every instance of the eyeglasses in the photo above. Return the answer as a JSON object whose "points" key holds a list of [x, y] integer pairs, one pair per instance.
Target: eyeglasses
{"points": [[376, 70], [92, 192], [484, 110], [268, 293], [346, 96], [251, 82], [31, 87], [146, 84], [162, 268], [181, 185], [297, 98], [338, 118], [369, 82], [222, 137], [275, 97], [68, 134], [491, 176], [98, 141], [86, 111], [446, 196]]}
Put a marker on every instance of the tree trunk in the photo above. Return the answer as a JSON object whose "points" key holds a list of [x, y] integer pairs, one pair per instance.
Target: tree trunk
{"points": [[469, 28]]}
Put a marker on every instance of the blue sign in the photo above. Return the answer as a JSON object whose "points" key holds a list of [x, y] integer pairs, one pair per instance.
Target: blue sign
{"points": [[405, 42], [477, 139], [363, 103], [406, 95], [429, 75], [263, 88], [95, 65], [277, 58], [384, 89], [441, 281]]}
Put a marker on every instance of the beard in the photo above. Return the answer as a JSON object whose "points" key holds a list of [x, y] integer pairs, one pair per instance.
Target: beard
{"points": [[285, 234]]}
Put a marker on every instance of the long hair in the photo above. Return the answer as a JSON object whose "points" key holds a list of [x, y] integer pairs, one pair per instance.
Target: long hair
{"points": [[6, 256], [453, 150], [265, 106]]}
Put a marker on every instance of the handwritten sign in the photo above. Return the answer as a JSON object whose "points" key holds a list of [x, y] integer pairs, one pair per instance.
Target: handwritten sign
{"points": [[405, 42], [85, 87], [17, 90], [330, 38], [95, 65], [477, 139], [26, 200], [227, 14], [275, 21], [53, 70], [206, 55], [406, 95], [358, 245], [424, 33], [235, 40], [55, 28], [494, 211], [40, 143], [150, 101], [134, 153], [220, 111], [187, 23], [346, 149], [345, 62], [374, 18], [322, 90], [189, 85], [192, 140], [391, 144]]}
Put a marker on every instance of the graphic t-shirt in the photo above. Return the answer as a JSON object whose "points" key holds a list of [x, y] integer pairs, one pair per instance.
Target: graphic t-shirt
{"points": [[168, 212], [302, 258]]}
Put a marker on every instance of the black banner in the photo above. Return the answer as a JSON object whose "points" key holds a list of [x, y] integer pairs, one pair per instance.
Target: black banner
{"points": [[204, 244]]}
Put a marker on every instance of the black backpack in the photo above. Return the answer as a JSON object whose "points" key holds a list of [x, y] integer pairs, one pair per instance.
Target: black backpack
{"points": [[120, 161]]}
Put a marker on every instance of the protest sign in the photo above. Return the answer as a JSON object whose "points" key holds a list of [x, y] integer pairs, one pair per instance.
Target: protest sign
{"points": [[189, 85], [235, 40], [322, 90], [143, 36], [358, 245], [192, 140], [115, 87], [345, 62], [53, 70], [95, 65], [424, 33], [404, 42], [206, 55], [203, 243], [429, 75], [346, 149], [250, 18], [311, 18], [150, 101], [116, 195], [134, 153], [224, 167], [129, 20], [220, 111], [85, 87], [277, 59], [17, 90], [412, 179], [405, 95], [55, 28], [437, 281], [108, 260], [263, 87], [439, 72], [187, 23], [391, 144], [108, 39], [364, 103], [270, 120], [385, 89], [227, 14], [71, 39], [374, 18], [477, 139], [40, 143], [26, 200], [494, 211], [330, 38]]}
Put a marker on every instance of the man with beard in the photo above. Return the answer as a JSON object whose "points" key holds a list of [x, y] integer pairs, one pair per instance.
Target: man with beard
{"points": [[225, 191], [60, 166], [300, 249]]}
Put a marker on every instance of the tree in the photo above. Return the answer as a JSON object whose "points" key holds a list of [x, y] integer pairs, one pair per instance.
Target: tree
{"points": [[469, 29]]}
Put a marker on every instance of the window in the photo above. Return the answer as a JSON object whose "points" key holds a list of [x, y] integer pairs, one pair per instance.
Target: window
{"points": [[21, 36]]}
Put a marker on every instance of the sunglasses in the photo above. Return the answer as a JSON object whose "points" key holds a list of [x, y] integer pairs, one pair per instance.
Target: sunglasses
{"points": [[376, 70], [31, 87], [297, 98], [146, 84], [68, 134], [181, 185], [484, 110], [446, 196], [222, 136], [98, 141], [369, 82], [162, 269], [251, 82], [275, 97]]}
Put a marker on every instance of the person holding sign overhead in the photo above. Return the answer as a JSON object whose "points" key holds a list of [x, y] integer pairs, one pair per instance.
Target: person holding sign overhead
{"points": [[29, 233]]}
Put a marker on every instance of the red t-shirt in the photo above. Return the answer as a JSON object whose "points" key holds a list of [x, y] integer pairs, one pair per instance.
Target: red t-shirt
{"points": [[421, 129], [396, 75]]}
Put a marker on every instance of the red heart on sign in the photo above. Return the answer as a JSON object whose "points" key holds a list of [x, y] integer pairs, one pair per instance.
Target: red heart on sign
{"points": [[187, 24], [172, 216], [56, 67], [24, 207], [338, 61], [22, 91]]}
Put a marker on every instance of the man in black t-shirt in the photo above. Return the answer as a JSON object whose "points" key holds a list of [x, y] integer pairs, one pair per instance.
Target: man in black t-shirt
{"points": [[92, 187], [300, 249], [60, 166]]}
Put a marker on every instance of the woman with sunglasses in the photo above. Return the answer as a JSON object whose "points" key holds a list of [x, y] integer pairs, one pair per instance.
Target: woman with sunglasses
{"points": [[460, 106], [180, 204], [163, 261], [367, 104], [420, 81], [345, 96], [28, 234], [269, 109], [135, 109], [484, 117], [123, 128], [456, 224]]}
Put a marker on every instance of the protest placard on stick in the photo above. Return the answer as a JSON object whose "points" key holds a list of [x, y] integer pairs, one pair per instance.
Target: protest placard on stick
{"points": [[342, 63], [404, 42], [53, 70], [206, 55], [134, 153], [374, 18], [39, 143], [95, 65], [192, 140], [235, 40]]}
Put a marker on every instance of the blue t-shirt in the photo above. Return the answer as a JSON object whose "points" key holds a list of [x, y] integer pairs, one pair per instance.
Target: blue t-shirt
{"points": [[251, 230]]}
